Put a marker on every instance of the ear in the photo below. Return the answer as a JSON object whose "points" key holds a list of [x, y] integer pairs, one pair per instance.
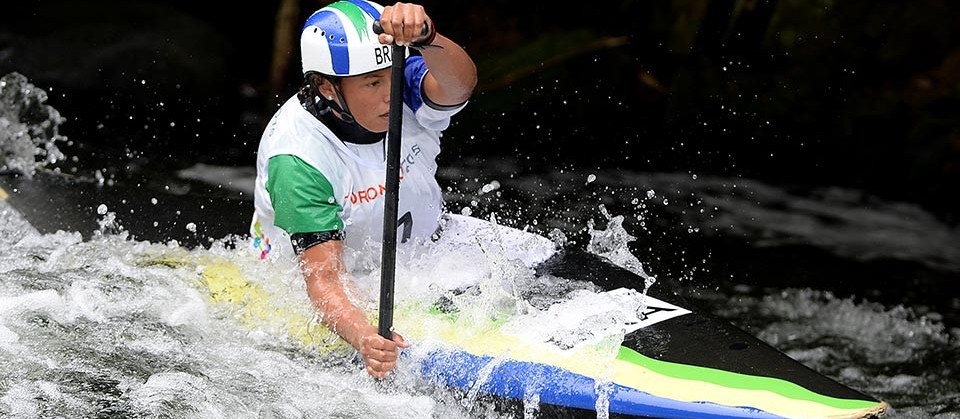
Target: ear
{"points": [[325, 87]]}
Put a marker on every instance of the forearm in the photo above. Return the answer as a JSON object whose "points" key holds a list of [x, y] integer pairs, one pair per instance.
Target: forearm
{"points": [[323, 270], [452, 69], [336, 310]]}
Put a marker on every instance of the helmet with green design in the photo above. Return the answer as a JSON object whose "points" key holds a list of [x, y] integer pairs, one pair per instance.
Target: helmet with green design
{"points": [[338, 40]]}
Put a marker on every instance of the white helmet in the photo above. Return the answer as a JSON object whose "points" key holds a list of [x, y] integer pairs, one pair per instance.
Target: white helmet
{"points": [[338, 40]]}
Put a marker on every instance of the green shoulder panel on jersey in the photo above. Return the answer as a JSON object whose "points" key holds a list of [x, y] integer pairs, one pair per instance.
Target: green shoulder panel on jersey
{"points": [[303, 199]]}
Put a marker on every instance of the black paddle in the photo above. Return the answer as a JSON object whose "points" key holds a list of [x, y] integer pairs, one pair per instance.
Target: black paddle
{"points": [[388, 258]]}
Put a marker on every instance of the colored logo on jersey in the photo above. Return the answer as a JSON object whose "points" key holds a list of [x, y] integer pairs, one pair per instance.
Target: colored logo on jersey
{"points": [[260, 242], [372, 193], [366, 195]]}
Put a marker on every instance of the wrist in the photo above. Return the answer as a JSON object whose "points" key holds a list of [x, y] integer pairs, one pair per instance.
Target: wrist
{"points": [[428, 40], [363, 331]]}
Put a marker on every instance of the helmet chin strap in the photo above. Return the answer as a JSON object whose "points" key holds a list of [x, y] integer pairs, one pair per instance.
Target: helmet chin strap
{"points": [[344, 111], [346, 126]]}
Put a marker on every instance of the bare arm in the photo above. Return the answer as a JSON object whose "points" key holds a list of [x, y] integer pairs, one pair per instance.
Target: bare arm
{"points": [[323, 270], [453, 75]]}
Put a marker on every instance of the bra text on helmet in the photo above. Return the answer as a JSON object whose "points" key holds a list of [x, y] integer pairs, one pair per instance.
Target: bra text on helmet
{"points": [[382, 54]]}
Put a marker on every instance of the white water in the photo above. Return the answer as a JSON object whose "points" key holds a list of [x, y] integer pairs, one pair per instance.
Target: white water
{"points": [[99, 327], [87, 330]]}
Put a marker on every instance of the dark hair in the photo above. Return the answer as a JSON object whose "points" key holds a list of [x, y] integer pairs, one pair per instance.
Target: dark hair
{"points": [[310, 96], [317, 78]]}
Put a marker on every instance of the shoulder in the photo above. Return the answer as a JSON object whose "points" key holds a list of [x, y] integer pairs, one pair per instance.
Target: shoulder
{"points": [[295, 132], [430, 115], [291, 166]]}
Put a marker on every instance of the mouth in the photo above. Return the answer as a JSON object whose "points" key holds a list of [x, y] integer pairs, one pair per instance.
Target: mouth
{"points": [[385, 115]]}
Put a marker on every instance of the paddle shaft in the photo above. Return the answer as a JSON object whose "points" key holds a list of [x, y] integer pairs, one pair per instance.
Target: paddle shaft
{"points": [[388, 258]]}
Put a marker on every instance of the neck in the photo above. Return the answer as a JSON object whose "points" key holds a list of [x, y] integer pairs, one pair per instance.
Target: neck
{"points": [[348, 132]]}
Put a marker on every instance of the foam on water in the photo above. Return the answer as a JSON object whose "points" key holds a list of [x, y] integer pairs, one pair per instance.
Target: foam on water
{"points": [[95, 331], [93, 322], [142, 339]]}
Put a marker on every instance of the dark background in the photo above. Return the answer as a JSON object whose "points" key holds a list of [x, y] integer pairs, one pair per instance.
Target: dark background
{"points": [[860, 94], [822, 134], [817, 129]]}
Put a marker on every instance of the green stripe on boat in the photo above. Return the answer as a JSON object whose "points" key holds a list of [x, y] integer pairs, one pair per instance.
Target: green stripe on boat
{"points": [[736, 380]]}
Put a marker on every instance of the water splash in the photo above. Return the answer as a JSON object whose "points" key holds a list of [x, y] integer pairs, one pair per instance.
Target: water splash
{"points": [[483, 376], [97, 331], [531, 404], [29, 128], [612, 244], [107, 224], [604, 390]]}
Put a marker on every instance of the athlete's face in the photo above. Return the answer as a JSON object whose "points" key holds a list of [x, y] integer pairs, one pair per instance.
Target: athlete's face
{"points": [[368, 98]]}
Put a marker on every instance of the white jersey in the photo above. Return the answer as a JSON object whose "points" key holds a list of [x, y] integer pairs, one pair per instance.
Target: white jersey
{"points": [[357, 172]]}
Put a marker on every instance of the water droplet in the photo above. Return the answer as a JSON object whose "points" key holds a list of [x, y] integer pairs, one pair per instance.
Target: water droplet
{"points": [[191, 227], [153, 201], [490, 187], [466, 211], [592, 177], [102, 209]]}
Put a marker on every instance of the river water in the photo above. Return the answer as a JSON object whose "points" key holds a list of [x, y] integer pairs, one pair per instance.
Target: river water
{"points": [[857, 288]]}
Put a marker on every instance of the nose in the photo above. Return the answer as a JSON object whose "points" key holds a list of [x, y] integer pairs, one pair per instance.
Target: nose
{"points": [[386, 90]]}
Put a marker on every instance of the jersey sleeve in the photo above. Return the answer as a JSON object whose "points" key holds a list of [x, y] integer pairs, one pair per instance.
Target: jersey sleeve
{"points": [[429, 114], [302, 198]]}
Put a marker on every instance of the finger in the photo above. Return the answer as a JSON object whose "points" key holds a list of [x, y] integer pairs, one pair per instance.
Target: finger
{"points": [[384, 345], [397, 19], [374, 341], [380, 368], [379, 355], [380, 364], [416, 28], [385, 39], [415, 19], [385, 17], [408, 24], [400, 341], [373, 366], [395, 24], [385, 356], [387, 366]]}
